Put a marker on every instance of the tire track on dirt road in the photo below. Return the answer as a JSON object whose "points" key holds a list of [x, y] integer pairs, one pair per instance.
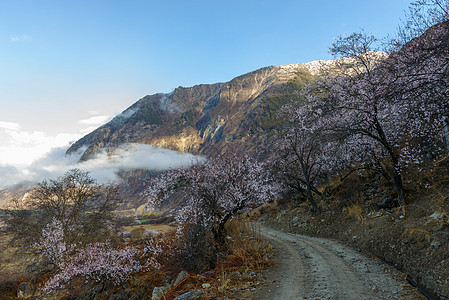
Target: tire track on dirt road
{"points": [[314, 268], [291, 263]]}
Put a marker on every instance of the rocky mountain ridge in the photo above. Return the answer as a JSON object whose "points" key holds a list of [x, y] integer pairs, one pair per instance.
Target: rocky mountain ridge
{"points": [[205, 118]]}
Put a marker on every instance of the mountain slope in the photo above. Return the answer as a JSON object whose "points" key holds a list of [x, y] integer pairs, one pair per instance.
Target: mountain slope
{"points": [[206, 118]]}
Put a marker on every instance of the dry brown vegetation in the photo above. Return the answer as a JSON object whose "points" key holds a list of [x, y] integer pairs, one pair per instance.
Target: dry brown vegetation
{"points": [[12, 267], [140, 231], [248, 253], [414, 238]]}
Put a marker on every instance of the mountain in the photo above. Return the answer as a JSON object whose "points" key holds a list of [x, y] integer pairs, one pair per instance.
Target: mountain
{"points": [[207, 118]]}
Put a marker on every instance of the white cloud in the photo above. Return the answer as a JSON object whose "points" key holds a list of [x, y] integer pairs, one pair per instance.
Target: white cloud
{"points": [[36, 155], [95, 120], [9, 125], [103, 167], [139, 156], [21, 148], [20, 38]]}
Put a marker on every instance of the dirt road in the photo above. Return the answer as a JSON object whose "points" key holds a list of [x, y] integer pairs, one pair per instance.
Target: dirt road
{"points": [[314, 268]]}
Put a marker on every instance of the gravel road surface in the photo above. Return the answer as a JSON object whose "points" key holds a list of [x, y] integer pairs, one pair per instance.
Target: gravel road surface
{"points": [[315, 268]]}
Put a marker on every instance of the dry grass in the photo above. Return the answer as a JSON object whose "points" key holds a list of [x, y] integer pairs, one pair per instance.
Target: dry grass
{"points": [[11, 268], [246, 244], [147, 231], [160, 228], [248, 253], [417, 234], [12, 263], [254, 214], [354, 210]]}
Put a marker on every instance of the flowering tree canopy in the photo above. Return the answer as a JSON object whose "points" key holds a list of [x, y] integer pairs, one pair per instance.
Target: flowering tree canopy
{"points": [[385, 107], [303, 153], [98, 261], [215, 191], [51, 243]]}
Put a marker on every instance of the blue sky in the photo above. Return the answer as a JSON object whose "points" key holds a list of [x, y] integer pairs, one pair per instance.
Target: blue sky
{"points": [[67, 66]]}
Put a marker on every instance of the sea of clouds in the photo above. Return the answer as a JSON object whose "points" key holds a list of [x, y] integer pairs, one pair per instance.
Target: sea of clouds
{"points": [[103, 167], [28, 156]]}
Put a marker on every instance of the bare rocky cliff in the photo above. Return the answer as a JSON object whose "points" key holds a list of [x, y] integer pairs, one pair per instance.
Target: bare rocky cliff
{"points": [[205, 118]]}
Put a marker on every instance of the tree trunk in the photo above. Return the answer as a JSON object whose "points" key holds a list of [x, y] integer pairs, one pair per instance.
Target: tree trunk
{"points": [[310, 196], [219, 234], [397, 178], [311, 200]]}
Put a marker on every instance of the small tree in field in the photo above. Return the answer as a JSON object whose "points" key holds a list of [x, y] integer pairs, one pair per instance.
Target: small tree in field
{"points": [[81, 207], [214, 191]]}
